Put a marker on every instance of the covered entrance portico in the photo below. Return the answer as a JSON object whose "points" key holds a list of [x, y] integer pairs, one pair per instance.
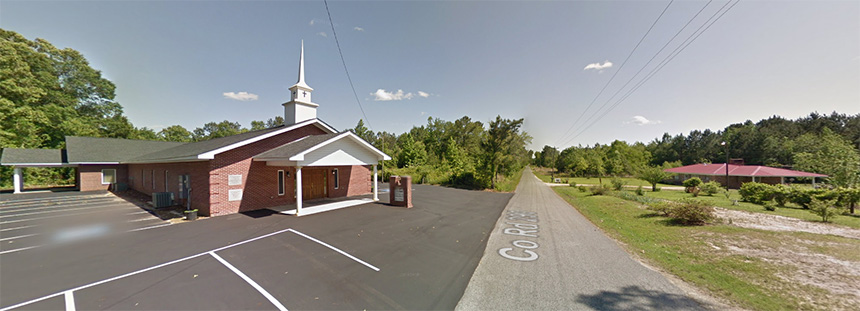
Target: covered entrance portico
{"points": [[313, 153], [23, 158]]}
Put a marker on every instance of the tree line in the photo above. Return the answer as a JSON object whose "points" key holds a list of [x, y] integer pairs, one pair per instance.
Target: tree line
{"points": [[820, 143], [461, 153]]}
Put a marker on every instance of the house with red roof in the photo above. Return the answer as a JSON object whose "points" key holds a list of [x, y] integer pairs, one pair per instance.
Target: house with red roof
{"points": [[739, 174]]}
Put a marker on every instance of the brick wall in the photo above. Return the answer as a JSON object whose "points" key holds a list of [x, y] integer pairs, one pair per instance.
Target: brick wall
{"points": [[354, 180], [258, 189], [89, 177], [141, 180]]}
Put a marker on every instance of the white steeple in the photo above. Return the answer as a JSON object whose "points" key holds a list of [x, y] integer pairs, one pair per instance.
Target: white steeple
{"points": [[300, 108]]}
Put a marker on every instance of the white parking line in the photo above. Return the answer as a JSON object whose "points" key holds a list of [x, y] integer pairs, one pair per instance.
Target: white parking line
{"points": [[50, 203], [26, 209], [21, 249], [70, 300], [58, 210], [336, 250], [150, 227], [66, 215], [211, 252], [19, 237], [138, 271], [16, 228], [251, 282]]}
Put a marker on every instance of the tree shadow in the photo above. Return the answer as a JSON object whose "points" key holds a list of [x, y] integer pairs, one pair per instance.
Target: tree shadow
{"points": [[636, 298]]}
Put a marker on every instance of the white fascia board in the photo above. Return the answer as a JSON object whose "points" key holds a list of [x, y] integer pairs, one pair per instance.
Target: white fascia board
{"points": [[211, 154], [169, 160], [37, 164], [95, 163], [301, 156]]}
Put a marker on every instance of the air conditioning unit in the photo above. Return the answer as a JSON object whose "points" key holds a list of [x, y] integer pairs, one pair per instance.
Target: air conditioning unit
{"points": [[162, 199]]}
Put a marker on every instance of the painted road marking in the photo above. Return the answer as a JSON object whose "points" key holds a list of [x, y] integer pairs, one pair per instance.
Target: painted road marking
{"points": [[66, 215], [524, 225], [35, 246], [336, 250], [211, 252], [59, 205], [70, 300], [250, 281], [19, 237], [57, 211], [16, 228]]}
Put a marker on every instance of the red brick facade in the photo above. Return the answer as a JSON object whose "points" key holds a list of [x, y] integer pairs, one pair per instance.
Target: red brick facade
{"points": [[89, 177], [259, 182]]}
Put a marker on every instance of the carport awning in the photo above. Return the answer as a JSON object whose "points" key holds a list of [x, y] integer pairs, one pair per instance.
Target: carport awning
{"points": [[34, 157], [339, 149]]}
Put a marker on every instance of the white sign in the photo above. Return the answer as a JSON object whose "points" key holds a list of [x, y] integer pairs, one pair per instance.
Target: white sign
{"points": [[398, 194], [234, 180], [235, 195]]}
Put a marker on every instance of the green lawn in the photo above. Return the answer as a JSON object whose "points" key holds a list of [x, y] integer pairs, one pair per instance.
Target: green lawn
{"points": [[790, 210], [699, 254], [544, 175], [509, 183]]}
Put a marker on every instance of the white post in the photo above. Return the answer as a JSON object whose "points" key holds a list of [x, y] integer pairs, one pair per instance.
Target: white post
{"points": [[298, 190], [17, 181], [782, 180], [813, 182], [375, 185]]}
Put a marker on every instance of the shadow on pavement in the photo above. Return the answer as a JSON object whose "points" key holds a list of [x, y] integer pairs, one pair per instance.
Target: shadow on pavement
{"points": [[637, 298]]}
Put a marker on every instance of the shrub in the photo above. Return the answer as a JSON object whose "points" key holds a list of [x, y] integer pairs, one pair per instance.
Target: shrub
{"points": [[657, 189], [617, 183], [582, 188], [780, 194], [824, 208], [769, 206], [640, 191], [599, 190], [662, 208], [692, 212], [711, 188], [756, 193], [466, 180], [692, 183]]}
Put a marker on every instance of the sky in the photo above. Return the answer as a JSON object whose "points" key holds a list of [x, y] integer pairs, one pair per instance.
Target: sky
{"points": [[193, 62]]}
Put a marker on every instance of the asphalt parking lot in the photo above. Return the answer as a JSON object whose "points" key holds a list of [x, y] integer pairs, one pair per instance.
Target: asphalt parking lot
{"points": [[40, 219], [371, 256]]}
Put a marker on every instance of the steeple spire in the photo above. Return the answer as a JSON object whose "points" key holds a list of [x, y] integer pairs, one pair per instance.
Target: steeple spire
{"points": [[301, 81], [300, 107]]}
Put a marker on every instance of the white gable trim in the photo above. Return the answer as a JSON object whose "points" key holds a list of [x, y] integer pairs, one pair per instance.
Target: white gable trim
{"points": [[301, 156], [211, 154]]}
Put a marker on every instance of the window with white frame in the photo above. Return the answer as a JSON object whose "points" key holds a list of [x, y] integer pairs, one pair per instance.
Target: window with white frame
{"points": [[336, 178], [108, 176], [281, 182]]}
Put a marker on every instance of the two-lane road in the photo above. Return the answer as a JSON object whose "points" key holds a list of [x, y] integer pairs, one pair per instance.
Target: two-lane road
{"points": [[544, 255]]}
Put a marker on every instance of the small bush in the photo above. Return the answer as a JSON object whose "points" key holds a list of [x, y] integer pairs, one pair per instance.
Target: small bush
{"points": [[756, 193], [466, 180], [692, 212], [583, 188], [617, 183], [824, 209], [769, 206], [711, 188], [657, 189], [662, 207], [640, 191], [780, 194], [692, 183], [599, 190]]}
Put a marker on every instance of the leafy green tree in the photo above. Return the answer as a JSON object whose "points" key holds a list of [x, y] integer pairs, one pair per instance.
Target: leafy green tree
{"points": [[412, 153], [826, 209], [258, 125], [362, 131], [653, 175], [216, 130], [549, 155], [175, 133], [500, 145], [830, 154]]}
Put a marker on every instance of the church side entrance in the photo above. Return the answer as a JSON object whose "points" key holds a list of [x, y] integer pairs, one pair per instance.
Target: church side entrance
{"points": [[314, 184]]}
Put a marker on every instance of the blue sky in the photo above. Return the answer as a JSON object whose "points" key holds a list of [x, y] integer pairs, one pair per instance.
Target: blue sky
{"points": [[173, 61]]}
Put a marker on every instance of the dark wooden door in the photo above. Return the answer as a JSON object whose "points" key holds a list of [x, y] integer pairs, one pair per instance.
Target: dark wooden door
{"points": [[314, 184]]}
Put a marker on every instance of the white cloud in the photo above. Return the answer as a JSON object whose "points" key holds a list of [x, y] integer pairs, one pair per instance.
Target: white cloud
{"points": [[383, 95], [598, 66], [322, 33], [640, 120], [423, 94], [241, 96], [358, 29]]}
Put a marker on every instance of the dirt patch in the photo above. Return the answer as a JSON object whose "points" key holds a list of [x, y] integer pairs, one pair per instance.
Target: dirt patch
{"points": [[837, 280], [781, 223]]}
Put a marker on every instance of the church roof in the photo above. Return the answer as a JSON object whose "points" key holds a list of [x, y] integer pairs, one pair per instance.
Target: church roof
{"points": [[740, 170]]}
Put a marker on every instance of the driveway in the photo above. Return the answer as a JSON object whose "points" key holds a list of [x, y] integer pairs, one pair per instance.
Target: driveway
{"points": [[371, 256], [544, 255]]}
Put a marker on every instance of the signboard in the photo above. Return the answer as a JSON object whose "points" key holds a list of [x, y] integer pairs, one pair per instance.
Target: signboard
{"points": [[234, 180], [235, 195], [398, 194]]}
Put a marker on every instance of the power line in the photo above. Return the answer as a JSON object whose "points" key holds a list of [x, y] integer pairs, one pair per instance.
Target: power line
{"points": [[663, 63], [643, 67], [354, 93], [617, 71]]}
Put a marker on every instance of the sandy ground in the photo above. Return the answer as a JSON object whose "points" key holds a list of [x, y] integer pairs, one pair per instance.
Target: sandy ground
{"points": [[810, 262]]}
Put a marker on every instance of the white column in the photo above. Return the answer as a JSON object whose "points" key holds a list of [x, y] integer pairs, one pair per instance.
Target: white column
{"points": [[813, 182], [375, 185], [298, 190], [782, 180], [17, 181]]}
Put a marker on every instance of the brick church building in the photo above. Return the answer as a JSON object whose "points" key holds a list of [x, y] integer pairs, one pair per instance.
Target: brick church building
{"points": [[303, 159]]}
